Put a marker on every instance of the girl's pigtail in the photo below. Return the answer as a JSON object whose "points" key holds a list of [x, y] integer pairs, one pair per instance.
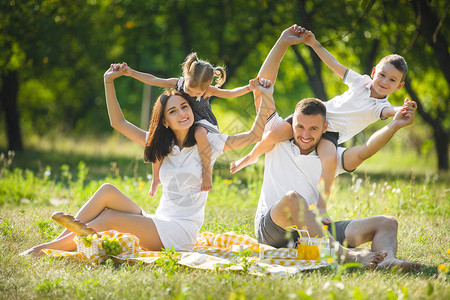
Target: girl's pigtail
{"points": [[219, 72], [189, 64]]}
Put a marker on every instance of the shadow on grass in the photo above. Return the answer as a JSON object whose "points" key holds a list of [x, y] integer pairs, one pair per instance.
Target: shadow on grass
{"points": [[426, 271], [100, 166]]}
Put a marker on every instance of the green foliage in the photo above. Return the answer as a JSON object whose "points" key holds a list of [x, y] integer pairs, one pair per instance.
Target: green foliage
{"points": [[6, 228], [16, 186], [48, 286], [245, 259], [6, 161], [46, 229], [168, 261], [61, 50]]}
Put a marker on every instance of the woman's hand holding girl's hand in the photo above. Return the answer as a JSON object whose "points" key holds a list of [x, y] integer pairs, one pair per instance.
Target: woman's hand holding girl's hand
{"points": [[123, 68], [112, 73], [117, 70]]}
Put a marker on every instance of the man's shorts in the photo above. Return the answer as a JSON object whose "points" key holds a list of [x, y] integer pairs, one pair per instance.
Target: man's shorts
{"points": [[329, 135], [271, 234]]}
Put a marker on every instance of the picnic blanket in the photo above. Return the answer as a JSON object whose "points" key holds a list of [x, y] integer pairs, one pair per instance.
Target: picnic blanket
{"points": [[224, 251]]}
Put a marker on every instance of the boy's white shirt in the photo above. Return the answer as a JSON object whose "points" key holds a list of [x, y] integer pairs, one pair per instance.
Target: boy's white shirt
{"points": [[354, 110], [287, 170]]}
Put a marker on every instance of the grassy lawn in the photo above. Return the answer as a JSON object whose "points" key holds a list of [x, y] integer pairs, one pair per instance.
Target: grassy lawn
{"points": [[51, 178]]}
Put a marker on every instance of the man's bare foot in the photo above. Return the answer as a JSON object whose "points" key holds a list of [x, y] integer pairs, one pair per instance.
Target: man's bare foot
{"points": [[402, 264], [206, 181], [155, 184], [366, 258], [33, 252], [238, 165]]}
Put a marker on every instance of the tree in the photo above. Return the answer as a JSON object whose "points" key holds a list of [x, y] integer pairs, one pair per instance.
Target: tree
{"points": [[429, 28], [371, 29], [61, 49], [39, 41]]}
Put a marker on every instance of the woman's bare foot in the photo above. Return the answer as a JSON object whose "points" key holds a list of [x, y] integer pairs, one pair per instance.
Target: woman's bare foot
{"points": [[238, 165], [402, 264], [33, 252], [155, 184], [366, 258], [206, 181]]}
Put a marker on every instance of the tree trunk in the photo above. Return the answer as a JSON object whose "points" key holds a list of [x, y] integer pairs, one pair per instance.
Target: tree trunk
{"points": [[146, 109], [429, 22], [185, 30], [441, 138], [370, 59], [8, 100], [314, 78], [429, 29]]}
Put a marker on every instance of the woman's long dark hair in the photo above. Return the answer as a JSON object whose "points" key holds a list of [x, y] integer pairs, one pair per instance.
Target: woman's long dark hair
{"points": [[160, 139]]}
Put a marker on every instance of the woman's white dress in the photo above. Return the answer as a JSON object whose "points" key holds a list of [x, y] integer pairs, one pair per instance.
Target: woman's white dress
{"points": [[181, 210]]}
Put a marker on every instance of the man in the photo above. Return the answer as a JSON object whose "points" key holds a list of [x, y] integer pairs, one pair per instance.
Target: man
{"points": [[293, 169]]}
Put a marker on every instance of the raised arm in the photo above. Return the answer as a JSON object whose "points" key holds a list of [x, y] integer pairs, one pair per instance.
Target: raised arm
{"points": [[233, 93], [266, 108], [148, 78], [269, 69], [115, 114], [290, 36], [354, 156], [310, 40]]}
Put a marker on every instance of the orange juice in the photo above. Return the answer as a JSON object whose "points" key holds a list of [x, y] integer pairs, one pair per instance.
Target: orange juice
{"points": [[302, 251], [312, 252]]}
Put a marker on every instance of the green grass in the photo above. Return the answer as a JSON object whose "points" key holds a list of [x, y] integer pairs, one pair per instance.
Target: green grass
{"points": [[418, 198]]}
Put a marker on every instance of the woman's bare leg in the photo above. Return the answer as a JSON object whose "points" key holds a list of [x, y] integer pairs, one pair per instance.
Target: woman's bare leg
{"points": [[107, 196], [109, 219]]}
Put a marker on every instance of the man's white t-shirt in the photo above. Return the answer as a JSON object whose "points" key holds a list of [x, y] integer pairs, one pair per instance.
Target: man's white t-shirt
{"points": [[286, 169], [354, 110]]}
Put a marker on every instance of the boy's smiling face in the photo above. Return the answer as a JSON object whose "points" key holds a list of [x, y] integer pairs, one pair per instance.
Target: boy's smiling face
{"points": [[386, 79]]}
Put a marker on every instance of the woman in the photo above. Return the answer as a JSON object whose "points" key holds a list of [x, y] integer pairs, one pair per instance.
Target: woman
{"points": [[179, 217]]}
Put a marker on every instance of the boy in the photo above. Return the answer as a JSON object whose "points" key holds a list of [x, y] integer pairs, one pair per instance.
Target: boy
{"points": [[347, 114]]}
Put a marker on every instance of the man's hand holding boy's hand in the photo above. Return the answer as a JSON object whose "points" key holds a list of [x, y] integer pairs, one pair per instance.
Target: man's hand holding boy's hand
{"points": [[264, 86], [293, 35], [405, 116], [309, 38]]}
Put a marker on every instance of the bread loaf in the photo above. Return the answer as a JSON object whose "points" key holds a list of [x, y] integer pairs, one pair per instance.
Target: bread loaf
{"points": [[74, 225]]}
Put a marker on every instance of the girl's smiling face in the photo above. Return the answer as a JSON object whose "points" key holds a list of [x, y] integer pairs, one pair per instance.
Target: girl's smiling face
{"points": [[197, 91]]}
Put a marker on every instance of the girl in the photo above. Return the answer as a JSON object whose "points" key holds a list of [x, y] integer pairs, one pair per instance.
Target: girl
{"points": [[196, 86], [180, 214]]}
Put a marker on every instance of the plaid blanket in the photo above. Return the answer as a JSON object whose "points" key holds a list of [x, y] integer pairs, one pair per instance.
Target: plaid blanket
{"points": [[224, 251]]}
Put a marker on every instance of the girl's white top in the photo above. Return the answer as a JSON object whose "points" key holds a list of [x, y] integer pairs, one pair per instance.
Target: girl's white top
{"points": [[181, 210]]}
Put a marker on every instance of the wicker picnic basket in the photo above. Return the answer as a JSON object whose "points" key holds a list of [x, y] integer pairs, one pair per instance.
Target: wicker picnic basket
{"points": [[128, 242]]}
